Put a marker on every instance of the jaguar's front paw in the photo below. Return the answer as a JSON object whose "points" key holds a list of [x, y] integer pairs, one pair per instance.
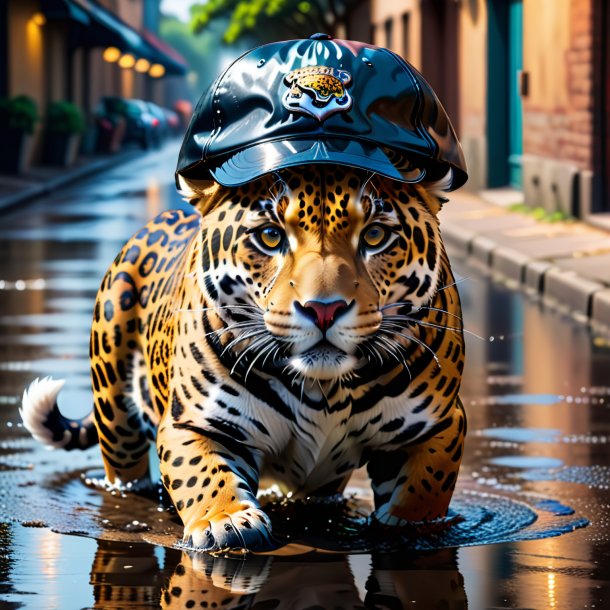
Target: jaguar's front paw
{"points": [[248, 529]]}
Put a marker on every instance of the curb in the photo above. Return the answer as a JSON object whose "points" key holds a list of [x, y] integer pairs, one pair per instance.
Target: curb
{"points": [[564, 289], [64, 179]]}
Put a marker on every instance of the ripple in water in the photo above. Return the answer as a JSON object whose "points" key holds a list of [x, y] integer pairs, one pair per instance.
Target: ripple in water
{"points": [[66, 504]]}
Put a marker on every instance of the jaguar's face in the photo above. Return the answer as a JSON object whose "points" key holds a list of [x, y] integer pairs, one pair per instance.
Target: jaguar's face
{"points": [[307, 266]]}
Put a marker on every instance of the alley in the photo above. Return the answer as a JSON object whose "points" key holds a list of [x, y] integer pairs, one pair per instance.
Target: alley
{"points": [[536, 389]]}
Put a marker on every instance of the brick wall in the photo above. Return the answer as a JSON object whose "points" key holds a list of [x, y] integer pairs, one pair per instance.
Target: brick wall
{"points": [[558, 118]]}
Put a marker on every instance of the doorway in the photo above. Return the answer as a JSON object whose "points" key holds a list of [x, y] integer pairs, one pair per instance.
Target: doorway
{"points": [[504, 103], [439, 48]]}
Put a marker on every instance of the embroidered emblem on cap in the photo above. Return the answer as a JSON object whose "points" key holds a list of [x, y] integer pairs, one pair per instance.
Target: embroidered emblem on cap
{"points": [[317, 91]]}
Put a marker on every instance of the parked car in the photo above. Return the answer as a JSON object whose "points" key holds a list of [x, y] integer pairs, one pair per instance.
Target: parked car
{"points": [[173, 119], [162, 129], [142, 127]]}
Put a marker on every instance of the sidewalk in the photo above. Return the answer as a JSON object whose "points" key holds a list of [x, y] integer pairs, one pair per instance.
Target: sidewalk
{"points": [[41, 180], [566, 263]]}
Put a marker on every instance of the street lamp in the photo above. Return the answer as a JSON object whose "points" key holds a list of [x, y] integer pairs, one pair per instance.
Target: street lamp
{"points": [[39, 19], [127, 61], [156, 70], [111, 54], [142, 65]]}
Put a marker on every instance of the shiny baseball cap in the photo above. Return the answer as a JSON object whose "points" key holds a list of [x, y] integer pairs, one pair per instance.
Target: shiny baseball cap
{"points": [[321, 100]]}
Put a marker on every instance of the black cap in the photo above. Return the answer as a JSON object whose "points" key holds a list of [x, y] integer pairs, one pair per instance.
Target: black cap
{"points": [[320, 100]]}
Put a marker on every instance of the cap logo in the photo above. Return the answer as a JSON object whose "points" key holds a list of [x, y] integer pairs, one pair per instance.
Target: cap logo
{"points": [[317, 91]]}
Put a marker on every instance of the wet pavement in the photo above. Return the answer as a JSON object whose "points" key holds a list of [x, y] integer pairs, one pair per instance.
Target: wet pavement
{"points": [[537, 462]]}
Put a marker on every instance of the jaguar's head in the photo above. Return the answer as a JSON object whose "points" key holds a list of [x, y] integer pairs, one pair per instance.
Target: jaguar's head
{"points": [[311, 267]]}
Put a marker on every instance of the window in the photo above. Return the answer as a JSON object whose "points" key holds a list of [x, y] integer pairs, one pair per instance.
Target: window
{"points": [[405, 35], [388, 26]]}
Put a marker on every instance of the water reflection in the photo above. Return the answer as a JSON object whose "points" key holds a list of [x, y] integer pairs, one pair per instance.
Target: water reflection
{"points": [[139, 576], [537, 398]]}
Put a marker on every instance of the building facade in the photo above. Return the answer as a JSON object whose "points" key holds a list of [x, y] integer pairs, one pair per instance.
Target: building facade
{"points": [[81, 50], [526, 83]]}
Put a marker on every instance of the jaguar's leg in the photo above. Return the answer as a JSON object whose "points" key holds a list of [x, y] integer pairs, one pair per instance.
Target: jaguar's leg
{"points": [[212, 480], [415, 483]]}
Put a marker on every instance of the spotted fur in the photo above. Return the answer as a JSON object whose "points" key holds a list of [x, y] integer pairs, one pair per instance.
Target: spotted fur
{"points": [[202, 341]]}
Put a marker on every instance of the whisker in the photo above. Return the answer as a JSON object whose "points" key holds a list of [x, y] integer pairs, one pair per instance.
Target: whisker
{"points": [[232, 327], [376, 353], [433, 325], [407, 304], [415, 340], [449, 313], [322, 390], [397, 304], [462, 279], [265, 349], [202, 309], [390, 347], [365, 344], [401, 349], [254, 345], [242, 337], [272, 351]]}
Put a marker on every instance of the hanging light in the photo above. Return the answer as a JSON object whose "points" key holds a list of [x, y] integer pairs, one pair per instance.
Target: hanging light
{"points": [[157, 70], [111, 54], [127, 61], [39, 19], [142, 65]]}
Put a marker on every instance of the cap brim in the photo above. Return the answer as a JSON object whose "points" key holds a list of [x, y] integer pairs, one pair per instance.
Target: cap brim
{"points": [[260, 159]]}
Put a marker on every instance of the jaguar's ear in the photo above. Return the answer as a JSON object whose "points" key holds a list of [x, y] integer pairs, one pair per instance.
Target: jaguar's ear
{"points": [[436, 191], [201, 194], [433, 199]]}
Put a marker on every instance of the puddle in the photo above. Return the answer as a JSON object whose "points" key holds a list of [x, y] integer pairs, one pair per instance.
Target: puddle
{"points": [[522, 399], [35, 497], [538, 390], [594, 477], [526, 461], [521, 435]]}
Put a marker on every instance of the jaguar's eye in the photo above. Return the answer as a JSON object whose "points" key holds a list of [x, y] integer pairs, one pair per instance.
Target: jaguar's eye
{"points": [[271, 238], [375, 237]]}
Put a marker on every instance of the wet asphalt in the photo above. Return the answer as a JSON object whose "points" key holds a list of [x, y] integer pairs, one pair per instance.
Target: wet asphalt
{"points": [[536, 389]]}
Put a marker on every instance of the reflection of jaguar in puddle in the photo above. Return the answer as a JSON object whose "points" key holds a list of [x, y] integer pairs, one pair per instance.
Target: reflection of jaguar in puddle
{"points": [[428, 580]]}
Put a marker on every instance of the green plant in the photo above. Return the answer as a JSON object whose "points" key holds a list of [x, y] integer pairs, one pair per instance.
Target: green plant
{"points": [[64, 117], [295, 18], [540, 213], [19, 112]]}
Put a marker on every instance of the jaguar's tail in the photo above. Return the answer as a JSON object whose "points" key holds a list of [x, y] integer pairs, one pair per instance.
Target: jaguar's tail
{"points": [[42, 418]]}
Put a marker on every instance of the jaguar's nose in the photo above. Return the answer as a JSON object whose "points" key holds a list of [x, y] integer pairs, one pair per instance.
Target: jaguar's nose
{"points": [[322, 314]]}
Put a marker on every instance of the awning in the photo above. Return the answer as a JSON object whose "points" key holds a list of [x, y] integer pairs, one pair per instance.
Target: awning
{"points": [[96, 26], [64, 10], [172, 60]]}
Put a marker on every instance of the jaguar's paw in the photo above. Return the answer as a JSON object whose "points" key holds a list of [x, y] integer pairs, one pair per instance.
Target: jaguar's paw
{"points": [[248, 529]]}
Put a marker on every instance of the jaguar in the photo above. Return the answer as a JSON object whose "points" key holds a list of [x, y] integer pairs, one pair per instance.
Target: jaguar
{"points": [[289, 331]]}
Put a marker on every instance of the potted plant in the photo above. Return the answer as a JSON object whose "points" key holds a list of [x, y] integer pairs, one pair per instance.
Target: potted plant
{"points": [[18, 117], [63, 126]]}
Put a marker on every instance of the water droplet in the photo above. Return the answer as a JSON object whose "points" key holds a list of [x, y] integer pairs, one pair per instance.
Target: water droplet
{"points": [[261, 63]]}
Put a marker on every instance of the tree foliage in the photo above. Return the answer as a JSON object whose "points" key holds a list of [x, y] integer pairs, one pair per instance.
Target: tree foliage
{"points": [[296, 18], [199, 52]]}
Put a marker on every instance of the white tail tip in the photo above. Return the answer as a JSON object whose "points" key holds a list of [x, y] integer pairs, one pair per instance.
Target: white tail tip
{"points": [[36, 405]]}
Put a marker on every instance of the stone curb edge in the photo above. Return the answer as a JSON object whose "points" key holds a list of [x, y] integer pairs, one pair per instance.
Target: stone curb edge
{"points": [[564, 289]]}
